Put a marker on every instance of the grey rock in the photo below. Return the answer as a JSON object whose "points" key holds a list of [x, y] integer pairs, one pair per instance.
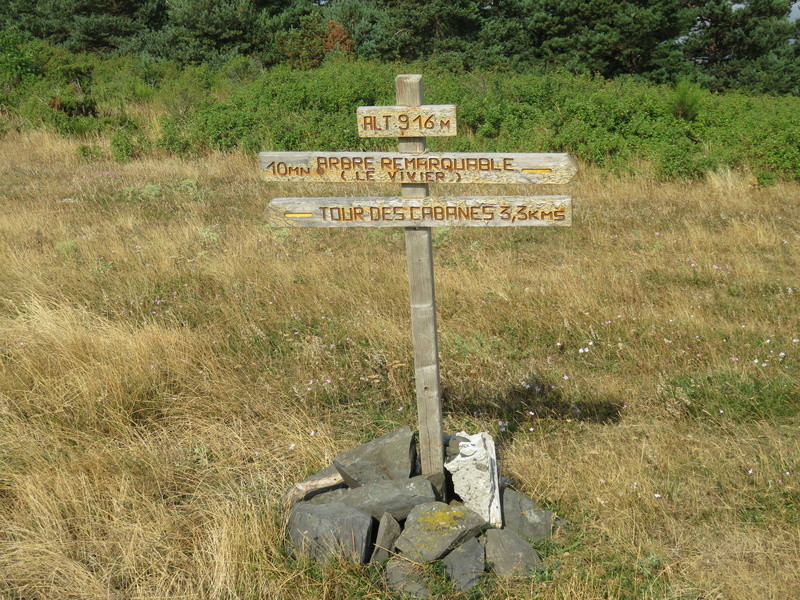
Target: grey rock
{"points": [[394, 497], [404, 578], [329, 496], [388, 532], [465, 565], [326, 530], [452, 445], [439, 483], [520, 514], [435, 528], [509, 554], [388, 457]]}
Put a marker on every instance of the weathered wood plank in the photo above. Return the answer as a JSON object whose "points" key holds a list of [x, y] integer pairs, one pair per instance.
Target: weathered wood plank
{"points": [[430, 167], [432, 120], [422, 294], [471, 211]]}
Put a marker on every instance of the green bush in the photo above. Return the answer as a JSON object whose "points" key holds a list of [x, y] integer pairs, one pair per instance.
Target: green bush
{"points": [[128, 143], [89, 152], [19, 64], [624, 125]]}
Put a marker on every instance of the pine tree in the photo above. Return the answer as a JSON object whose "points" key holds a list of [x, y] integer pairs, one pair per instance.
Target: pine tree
{"points": [[745, 44], [599, 36]]}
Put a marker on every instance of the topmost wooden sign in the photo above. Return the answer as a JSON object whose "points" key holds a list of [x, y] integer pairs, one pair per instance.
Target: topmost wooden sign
{"points": [[428, 120]]}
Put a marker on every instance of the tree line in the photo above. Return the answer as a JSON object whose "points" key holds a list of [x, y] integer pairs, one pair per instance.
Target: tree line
{"points": [[718, 44]]}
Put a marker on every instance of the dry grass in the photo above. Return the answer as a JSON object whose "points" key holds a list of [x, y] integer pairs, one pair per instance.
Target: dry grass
{"points": [[168, 366]]}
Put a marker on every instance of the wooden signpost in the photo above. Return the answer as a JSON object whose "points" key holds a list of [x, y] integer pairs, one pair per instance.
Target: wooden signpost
{"points": [[416, 211]]}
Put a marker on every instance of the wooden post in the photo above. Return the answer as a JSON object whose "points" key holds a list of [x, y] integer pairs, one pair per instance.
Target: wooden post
{"points": [[419, 253]]}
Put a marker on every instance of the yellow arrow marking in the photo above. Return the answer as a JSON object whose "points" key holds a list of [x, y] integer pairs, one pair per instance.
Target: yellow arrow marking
{"points": [[537, 170], [297, 215]]}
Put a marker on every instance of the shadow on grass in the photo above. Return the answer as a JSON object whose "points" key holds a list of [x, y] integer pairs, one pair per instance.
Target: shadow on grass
{"points": [[532, 399]]}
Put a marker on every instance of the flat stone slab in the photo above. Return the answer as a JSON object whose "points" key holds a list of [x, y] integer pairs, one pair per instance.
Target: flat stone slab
{"points": [[326, 530], [475, 476], [394, 497], [435, 528], [465, 565], [388, 532], [404, 578], [521, 515], [508, 554], [390, 456]]}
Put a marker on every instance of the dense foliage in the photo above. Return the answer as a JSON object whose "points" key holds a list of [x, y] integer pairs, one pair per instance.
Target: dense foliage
{"points": [[719, 44], [144, 106]]}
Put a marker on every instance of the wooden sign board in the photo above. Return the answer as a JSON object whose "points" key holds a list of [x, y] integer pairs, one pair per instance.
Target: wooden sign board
{"points": [[429, 120], [396, 167], [478, 211]]}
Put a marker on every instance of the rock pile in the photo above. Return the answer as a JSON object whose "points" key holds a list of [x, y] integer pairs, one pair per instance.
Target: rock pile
{"points": [[370, 506]]}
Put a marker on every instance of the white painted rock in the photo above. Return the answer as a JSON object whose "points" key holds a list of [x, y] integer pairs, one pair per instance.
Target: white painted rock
{"points": [[475, 478]]}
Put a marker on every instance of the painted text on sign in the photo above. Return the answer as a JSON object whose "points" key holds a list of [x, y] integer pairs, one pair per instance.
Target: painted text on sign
{"points": [[489, 211]]}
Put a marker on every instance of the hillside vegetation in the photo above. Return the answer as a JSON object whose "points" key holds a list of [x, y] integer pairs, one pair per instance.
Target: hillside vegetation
{"points": [[129, 107], [719, 44]]}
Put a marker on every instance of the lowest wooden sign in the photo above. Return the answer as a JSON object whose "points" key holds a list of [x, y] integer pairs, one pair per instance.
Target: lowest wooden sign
{"points": [[431, 167], [477, 211]]}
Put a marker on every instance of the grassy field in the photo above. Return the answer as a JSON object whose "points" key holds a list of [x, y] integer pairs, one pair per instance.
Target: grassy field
{"points": [[169, 366]]}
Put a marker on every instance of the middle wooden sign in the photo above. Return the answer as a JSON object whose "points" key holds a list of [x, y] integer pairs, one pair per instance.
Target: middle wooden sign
{"points": [[431, 167]]}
